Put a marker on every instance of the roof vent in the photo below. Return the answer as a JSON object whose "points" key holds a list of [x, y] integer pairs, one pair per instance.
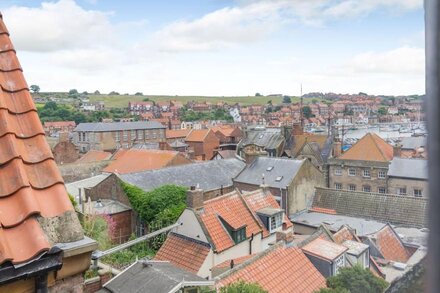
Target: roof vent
{"points": [[270, 168], [279, 178]]}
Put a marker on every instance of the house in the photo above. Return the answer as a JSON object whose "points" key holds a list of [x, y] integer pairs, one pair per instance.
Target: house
{"points": [[228, 136], [42, 245], [224, 228], [292, 182], [279, 269], [137, 160], [408, 177], [261, 142], [150, 276], [139, 108], [315, 147], [413, 147], [176, 134], [363, 167], [114, 135], [52, 128], [214, 177], [65, 151], [203, 142]]}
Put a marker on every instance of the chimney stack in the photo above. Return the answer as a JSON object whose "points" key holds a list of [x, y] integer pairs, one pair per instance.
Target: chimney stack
{"points": [[397, 150], [194, 198], [337, 149]]}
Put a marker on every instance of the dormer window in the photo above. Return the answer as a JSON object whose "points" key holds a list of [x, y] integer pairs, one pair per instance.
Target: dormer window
{"points": [[276, 221], [237, 234], [272, 218]]}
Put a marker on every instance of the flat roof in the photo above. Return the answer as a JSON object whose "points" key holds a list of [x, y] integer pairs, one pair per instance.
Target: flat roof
{"points": [[269, 211], [324, 249], [354, 247]]}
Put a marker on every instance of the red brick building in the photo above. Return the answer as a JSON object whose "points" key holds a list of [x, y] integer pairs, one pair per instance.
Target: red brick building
{"points": [[204, 142]]}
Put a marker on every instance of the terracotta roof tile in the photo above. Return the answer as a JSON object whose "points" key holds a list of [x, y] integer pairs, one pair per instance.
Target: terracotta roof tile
{"points": [[391, 246], [301, 139], [94, 156], [197, 135], [283, 270], [342, 235], [324, 249], [237, 261], [323, 210], [178, 133], [30, 182], [369, 148], [183, 252], [232, 208]]}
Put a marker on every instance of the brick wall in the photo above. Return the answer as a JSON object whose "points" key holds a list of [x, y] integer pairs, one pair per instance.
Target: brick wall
{"points": [[73, 284], [109, 188], [123, 226], [65, 152]]}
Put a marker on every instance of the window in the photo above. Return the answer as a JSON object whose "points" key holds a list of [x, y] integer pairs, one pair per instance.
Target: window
{"points": [[270, 168], [382, 190], [140, 134], [239, 235], [402, 191], [133, 134], [84, 136], [279, 178], [124, 135], [366, 188], [338, 185], [418, 193], [338, 171], [275, 221], [352, 187], [381, 174], [352, 172], [367, 173], [117, 136]]}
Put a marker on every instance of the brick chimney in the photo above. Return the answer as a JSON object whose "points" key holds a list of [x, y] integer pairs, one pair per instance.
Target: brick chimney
{"points": [[397, 150], [337, 149], [194, 198]]}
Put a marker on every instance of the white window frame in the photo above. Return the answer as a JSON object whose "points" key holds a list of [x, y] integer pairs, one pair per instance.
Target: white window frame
{"points": [[338, 185], [350, 173], [401, 189], [365, 171], [418, 195], [352, 187], [338, 171], [382, 174], [364, 187]]}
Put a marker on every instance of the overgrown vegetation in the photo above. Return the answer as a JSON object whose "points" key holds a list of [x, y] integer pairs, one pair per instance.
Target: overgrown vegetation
{"points": [[355, 280], [242, 287], [217, 114]]}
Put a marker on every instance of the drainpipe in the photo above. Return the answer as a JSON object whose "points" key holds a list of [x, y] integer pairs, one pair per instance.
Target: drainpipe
{"points": [[250, 243], [41, 283]]}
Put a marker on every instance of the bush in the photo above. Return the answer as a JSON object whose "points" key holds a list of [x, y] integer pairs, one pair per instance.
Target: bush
{"points": [[242, 287]]}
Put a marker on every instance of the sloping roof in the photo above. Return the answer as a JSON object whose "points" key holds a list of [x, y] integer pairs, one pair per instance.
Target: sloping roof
{"points": [[73, 187], [408, 168], [183, 252], [257, 200], [59, 123], [118, 126], [412, 143], [225, 130], [136, 160], [179, 133], [232, 209], [226, 154], [94, 156], [278, 172], [282, 270], [343, 234], [403, 210], [208, 175], [31, 187], [152, 277], [371, 147], [269, 138], [324, 249], [390, 245], [197, 135], [300, 139]]}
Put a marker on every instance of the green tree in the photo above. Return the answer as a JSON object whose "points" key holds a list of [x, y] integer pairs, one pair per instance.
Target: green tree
{"points": [[307, 112], [73, 92], [113, 93], [382, 111], [287, 100], [146, 99], [97, 92], [242, 287], [34, 88], [138, 94], [355, 279], [258, 95]]}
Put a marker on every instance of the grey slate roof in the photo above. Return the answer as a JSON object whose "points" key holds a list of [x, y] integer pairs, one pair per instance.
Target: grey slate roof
{"points": [[400, 210], [118, 126], [208, 175], [409, 168], [153, 277], [411, 143], [269, 138], [281, 167]]}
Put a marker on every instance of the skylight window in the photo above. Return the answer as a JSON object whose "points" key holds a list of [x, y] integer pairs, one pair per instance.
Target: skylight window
{"points": [[270, 168], [279, 178]]}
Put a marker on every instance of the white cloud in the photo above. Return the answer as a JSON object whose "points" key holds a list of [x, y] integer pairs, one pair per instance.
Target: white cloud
{"points": [[57, 26]]}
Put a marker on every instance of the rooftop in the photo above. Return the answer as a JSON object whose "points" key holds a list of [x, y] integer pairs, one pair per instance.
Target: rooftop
{"points": [[355, 247], [269, 138], [197, 135], [94, 156], [370, 147], [117, 126], [74, 187], [390, 245], [324, 249], [409, 168], [412, 143]]}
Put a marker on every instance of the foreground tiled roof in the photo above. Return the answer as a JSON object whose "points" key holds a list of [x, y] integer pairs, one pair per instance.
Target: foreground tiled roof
{"points": [[278, 271], [232, 209], [137, 160], [405, 210], [369, 148], [183, 252], [390, 245], [30, 182], [94, 156]]}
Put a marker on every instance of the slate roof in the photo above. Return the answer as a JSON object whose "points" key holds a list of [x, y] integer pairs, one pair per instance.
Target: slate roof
{"points": [[390, 245], [403, 210], [286, 169], [94, 156], [226, 154], [183, 252], [269, 138], [152, 277], [370, 147], [137, 160], [32, 190], [324, 249], [281, 270], [208, 175], [408, 168], [73, 187], [117, 126], [412, 143]]}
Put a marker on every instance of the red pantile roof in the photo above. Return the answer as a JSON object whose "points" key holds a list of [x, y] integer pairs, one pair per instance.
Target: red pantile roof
{"points": [[232, 209], [183, 252], [179, 133], [281, 270], [48, 124], [197, 135], [390, 245], [343, 234], [323, 210], [137, 160], [237, 261], [30, 182], [369, 148], [324, 249], [94, 156]]}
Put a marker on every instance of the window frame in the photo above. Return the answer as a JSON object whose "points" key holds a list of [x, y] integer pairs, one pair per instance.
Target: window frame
{"points": [[364, 171], [383, 188], [349, 172], [350, 187], [382, 172], [364, 187], [338, 171], [418, 189], [338, 184]]}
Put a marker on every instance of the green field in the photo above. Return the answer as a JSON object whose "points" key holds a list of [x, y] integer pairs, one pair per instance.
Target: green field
{"points": [[121, 101]]}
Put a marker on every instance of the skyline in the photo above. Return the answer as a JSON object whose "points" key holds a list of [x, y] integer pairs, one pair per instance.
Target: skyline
{"points": [[219, 47]]}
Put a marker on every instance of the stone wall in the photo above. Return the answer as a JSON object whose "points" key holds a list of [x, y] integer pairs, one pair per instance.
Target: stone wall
{"points": [[411, 281], [78, 171]]}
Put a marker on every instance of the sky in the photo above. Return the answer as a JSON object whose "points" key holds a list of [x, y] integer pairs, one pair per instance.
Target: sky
{"points": [[220, 47]]}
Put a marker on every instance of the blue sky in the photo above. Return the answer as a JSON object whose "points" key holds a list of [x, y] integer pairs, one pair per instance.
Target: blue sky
{"points": [[219, 47]]}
